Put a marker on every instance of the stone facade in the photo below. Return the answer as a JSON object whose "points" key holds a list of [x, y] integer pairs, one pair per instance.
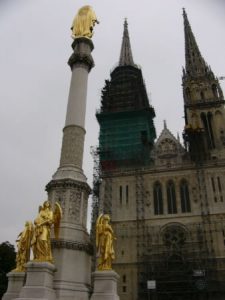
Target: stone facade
{"points": [[169, 213], [146, 235]]}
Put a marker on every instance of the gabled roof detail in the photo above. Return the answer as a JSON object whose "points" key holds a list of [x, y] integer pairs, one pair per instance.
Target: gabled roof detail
{"points": [[126, 58], [166, 134], [167, 147]]}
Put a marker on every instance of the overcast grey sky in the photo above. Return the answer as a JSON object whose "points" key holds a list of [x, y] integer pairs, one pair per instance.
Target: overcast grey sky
{"points": [[35, 45]]}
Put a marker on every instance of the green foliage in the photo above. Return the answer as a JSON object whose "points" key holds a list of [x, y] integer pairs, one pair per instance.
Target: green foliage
{"points": [[7, 263]]}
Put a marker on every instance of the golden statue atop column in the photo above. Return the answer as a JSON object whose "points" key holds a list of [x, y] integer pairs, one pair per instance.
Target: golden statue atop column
{"points": [[84, 22]]}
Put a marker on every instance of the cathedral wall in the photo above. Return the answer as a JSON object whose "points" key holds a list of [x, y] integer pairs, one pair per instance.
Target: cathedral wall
{"points": [[123, 198], [125, 210], [127, 287]]}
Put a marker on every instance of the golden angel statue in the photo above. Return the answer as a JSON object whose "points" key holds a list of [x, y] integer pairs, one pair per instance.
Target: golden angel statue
{"points": [[84, 22], [23, 245], [104, 243], [41, 243]]}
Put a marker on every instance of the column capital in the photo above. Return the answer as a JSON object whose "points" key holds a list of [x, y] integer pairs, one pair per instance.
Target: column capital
{"points": [[82, 53]]}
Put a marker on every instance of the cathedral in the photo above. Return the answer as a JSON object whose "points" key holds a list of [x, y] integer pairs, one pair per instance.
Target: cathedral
{"points": [[165, 197]]}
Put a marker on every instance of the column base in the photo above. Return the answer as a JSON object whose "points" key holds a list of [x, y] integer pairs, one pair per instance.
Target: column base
{"points": [[15, 284], [105, 285], [70, 172], [39, 282]]}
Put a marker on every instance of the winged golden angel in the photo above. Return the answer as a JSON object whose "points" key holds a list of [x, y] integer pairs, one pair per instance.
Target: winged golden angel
{"points": [[104, 243], [23, 244], [41, 243]]}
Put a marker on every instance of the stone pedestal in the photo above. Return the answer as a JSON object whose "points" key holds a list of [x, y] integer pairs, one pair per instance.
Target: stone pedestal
{"points": [[15, 284], [105, 285], [39, 281]]}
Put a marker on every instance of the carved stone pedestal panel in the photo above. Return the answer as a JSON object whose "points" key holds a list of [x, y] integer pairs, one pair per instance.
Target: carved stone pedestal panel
{"points": [[15, 284], [39, 282], [105, 285]]}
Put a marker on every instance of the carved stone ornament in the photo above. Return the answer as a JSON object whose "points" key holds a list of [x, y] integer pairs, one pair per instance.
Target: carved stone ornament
{"points": [[82, 53], [72, 146], [60, 196], [75, 206], [68, 183], [87, 247], [84, 59]]}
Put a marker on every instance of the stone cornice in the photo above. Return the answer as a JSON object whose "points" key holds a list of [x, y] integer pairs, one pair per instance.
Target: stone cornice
{"points": [[74, 126], [174, 168], [84, 40], [68, 183], [205, 103]]}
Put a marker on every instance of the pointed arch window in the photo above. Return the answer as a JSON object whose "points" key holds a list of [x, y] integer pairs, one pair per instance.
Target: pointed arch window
{"points": [[207, 123], [202, 94], [184, 197], [158, 198], [171, 198], [215, 91], [188, 93]]}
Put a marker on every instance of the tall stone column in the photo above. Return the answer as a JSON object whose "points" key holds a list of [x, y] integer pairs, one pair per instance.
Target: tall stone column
{"points": [[72, 251]]}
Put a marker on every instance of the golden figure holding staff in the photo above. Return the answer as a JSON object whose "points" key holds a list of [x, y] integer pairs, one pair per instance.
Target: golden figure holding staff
{"points": [[84, 22], [23, 245], [104, 243], [41, 243]]}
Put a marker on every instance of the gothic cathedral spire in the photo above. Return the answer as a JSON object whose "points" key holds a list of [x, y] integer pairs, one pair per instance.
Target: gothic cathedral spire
{"points": [[203, 103], [127, 130], [195, 63], [126, 58]]}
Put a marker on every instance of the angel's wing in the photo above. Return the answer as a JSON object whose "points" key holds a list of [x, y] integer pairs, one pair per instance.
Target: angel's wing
{"points": [[57, 215], [98, 229], [30, 232], [40, 208]]}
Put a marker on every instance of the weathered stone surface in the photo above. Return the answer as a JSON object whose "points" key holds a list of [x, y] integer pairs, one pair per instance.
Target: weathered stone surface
{"points": [[105, 285], [39, 281], [15, 284], [72, 146]]}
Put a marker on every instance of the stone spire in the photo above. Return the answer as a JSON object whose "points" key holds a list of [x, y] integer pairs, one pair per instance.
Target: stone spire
{"points": [[195, 63], [126, 58], [202, 97]]}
